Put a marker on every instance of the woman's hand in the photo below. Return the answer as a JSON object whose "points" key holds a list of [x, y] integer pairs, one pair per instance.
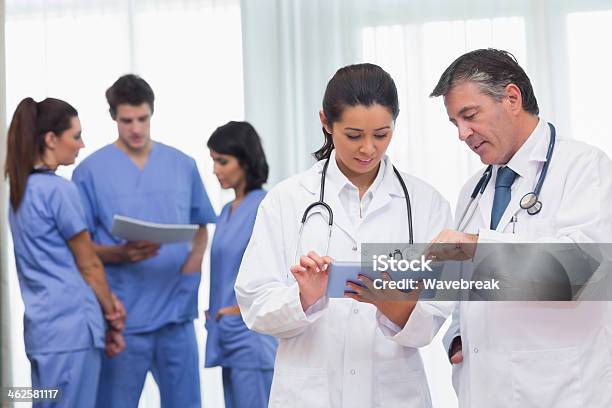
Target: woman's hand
{"points": [[116, 320], [311, 275], [396, 305], [115, 343]]}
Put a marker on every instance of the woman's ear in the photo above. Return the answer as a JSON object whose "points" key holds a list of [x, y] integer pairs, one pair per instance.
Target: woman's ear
{"points": [[324, 122], [50, 140]]}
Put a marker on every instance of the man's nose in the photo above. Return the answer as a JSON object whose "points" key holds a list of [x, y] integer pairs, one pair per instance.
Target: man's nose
{"points": [[465, 131]]}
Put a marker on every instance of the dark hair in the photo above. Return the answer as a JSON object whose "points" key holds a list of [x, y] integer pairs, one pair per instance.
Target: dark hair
{"points": [[129, 89], [492, 70], [240, 139], [359, 84], [26, 139]]}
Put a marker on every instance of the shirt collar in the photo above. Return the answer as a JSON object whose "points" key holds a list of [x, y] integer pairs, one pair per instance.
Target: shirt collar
{"points": [[533, 150], [341, 182]]}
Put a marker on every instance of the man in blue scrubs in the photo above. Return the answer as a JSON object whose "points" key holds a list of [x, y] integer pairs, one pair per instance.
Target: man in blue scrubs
{"points": [[140, 178]]}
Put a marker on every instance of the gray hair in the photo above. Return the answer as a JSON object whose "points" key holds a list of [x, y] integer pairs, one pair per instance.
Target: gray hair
{"points": [[492, 71]]}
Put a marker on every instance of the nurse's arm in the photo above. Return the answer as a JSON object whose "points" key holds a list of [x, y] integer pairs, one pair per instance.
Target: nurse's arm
{"points": [[198, 247], [91, 268], [133, 251]]}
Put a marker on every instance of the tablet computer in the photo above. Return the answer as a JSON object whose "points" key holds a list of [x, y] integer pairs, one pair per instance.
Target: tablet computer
{"points": [[342, 272]]}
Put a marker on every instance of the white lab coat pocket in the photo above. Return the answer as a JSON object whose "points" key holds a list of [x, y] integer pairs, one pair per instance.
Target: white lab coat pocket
{"points": [[401, 388], [536, 227], [546, 378], [300, 388]]}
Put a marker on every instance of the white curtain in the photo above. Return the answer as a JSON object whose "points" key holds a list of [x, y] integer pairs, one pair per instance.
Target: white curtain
{"points": [[293, 47], [190, 51]]}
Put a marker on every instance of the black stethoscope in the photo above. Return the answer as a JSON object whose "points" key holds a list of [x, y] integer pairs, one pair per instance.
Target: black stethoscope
{"points": [[330, 221], [529, 202]]}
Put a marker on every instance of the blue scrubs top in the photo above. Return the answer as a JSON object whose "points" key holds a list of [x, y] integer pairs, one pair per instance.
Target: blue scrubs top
{"points": [[168, 190], [61, 311], [229, 342]]}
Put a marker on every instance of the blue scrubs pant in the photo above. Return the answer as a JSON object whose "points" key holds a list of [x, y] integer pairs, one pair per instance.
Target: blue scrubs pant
{"points": [[75, 373], [246, 387], [170, 353]]}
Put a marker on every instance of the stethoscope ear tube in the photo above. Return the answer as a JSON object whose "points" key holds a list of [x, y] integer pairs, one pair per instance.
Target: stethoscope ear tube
{"points": [[477, 192], [530, 201], [330, 220], [408, 205]]}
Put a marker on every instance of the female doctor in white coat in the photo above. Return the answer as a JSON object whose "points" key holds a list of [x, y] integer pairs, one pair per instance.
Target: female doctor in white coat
{"points": [[338, 352]]}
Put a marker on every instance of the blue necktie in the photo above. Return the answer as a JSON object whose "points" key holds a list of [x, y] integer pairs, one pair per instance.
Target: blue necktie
{"points": [[505, 178]]}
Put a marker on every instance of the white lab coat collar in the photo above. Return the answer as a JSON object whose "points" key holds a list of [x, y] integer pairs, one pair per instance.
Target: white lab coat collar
{"points": [[387, 187], [533, 150], [527, 162]]}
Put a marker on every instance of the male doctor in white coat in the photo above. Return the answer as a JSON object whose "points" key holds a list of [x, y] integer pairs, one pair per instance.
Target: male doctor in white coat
{"points": [[524, 354]]}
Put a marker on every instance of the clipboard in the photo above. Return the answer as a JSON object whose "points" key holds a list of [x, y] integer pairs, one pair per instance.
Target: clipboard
{"points": [[132, 229]]}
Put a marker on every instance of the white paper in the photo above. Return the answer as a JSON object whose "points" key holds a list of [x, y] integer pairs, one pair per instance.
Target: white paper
{"points": [[133, 229]]}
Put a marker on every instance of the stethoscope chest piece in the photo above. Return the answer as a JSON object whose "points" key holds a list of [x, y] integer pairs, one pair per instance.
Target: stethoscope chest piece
{"points": [[528, 200], [531, 203], [535, 208]]}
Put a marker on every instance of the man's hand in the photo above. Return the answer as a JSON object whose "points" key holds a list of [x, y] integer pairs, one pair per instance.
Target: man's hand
{"points": [[456, 351], [136, 251], [115, 343], [116, 320], [452, 245]]}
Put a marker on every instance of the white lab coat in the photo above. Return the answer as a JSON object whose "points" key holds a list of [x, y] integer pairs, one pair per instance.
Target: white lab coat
{"points": [[540, 354], [336, 354]]}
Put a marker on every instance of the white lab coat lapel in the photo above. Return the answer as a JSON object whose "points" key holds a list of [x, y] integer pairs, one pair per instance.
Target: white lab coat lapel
{"points": [[311, 181], [388, 188], [526, 183], [522, 185], [341, 219], [486, 202]]}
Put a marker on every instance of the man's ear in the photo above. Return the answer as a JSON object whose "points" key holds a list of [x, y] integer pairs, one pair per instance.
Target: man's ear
{"points": [[515, 98], [325, 122], [50, 140]]}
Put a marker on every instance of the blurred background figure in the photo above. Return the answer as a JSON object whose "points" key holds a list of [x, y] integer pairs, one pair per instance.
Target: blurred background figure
{"points": [[247, 357], [138, 177], [60, 275]]}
